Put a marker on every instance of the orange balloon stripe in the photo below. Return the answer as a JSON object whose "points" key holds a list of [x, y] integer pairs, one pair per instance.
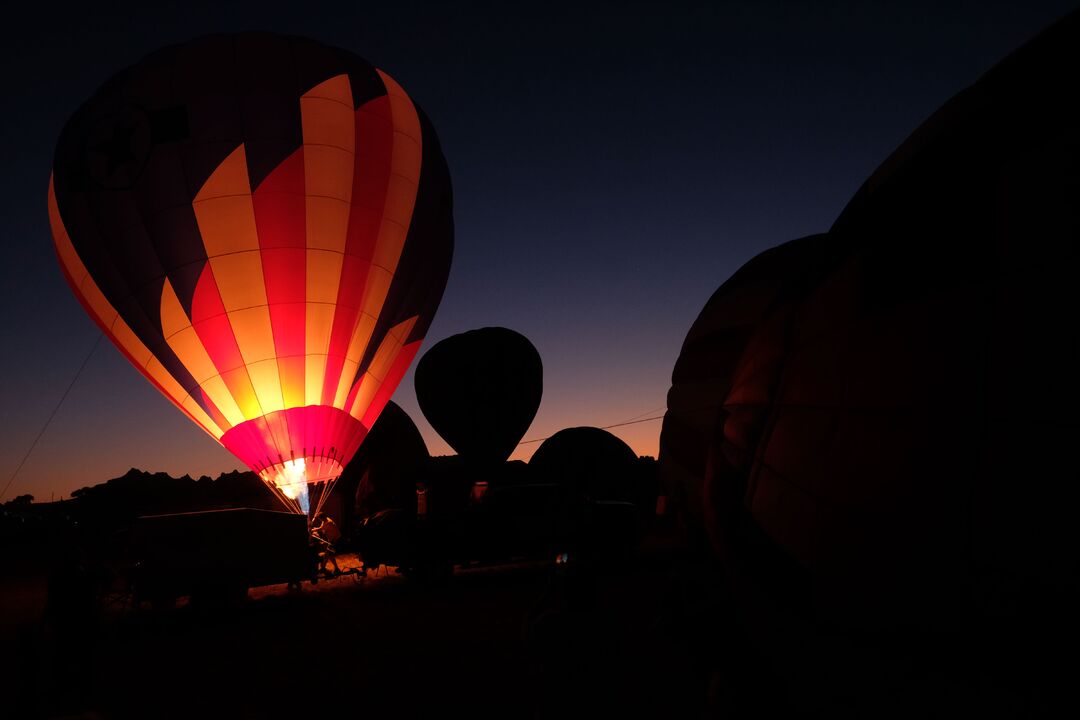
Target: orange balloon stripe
{"points": [[243, 393], [374, 147], [366, 390], [181, 336], [254, 334], [318, 324], [216, 333], [291, 370], [361, 336], [390, 382], [185, 343], [223, 209], [329, 132], [218, 391], [328, 126], [383, 361], [214, 412], [266, 379], [363, 392]]}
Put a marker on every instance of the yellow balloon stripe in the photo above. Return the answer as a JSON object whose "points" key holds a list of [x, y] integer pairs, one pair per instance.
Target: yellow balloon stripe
{"points": [[384, 358], [329, 128]]}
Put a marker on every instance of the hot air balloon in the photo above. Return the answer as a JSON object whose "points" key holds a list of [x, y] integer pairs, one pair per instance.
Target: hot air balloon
{"points": [[262, 225], [385, 470], [875, 428], [600, 488], [589, 462], [480, 390]]}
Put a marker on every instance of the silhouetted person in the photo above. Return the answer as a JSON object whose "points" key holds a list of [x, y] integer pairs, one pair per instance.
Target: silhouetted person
{"points": [[324, 533]]}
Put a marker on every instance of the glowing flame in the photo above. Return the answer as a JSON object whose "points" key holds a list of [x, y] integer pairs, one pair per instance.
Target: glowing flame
{"points": [[291, 479]]}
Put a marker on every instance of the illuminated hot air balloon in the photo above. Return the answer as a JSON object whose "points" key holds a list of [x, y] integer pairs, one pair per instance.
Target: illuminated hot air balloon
{"points": [[263, 227]]}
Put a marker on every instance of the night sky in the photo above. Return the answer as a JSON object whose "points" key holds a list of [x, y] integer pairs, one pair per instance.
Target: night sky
{"points": [[612, 166]]}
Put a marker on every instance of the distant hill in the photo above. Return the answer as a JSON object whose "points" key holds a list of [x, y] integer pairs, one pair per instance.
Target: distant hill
{"points": [[115, 503], [138, 492]]}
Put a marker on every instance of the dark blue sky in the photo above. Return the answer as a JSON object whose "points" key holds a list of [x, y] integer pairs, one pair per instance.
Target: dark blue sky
{"points": [[613, 163]]}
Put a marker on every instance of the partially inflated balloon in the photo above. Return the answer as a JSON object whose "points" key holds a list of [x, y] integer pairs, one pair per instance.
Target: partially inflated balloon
{"points": [[480, 390], [712, 351], [385, 470], [877, 427], [262, 225], [590, 462]]}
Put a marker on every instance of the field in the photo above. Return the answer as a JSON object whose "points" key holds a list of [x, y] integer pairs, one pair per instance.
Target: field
{"points": [[529, 640]]}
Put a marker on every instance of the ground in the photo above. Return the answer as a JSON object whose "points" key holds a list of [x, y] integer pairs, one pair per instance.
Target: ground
{"points": [[530, 640]]}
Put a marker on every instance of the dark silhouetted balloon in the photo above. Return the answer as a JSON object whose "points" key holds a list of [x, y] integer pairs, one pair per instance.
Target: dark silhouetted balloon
{"points": [[876, 428], [384, 472], [263, 227], [589, 461], [480, 391]]}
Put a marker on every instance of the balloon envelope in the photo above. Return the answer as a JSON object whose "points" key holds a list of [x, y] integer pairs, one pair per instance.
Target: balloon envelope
{"points": [[480, 390], [880, 435], [589, 461], [262, 225], [386, 468]]}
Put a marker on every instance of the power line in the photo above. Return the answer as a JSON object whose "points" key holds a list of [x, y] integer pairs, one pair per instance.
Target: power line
{"points": [[632, 422], [606, 427], [51, 415], [647, 412]]}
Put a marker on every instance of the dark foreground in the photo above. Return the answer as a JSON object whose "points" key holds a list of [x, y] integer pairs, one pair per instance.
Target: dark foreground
{"points": [[541, 640], [650, 635]]}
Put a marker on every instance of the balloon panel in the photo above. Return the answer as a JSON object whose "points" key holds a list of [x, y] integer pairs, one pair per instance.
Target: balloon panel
{"points": [[262, 225]]}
